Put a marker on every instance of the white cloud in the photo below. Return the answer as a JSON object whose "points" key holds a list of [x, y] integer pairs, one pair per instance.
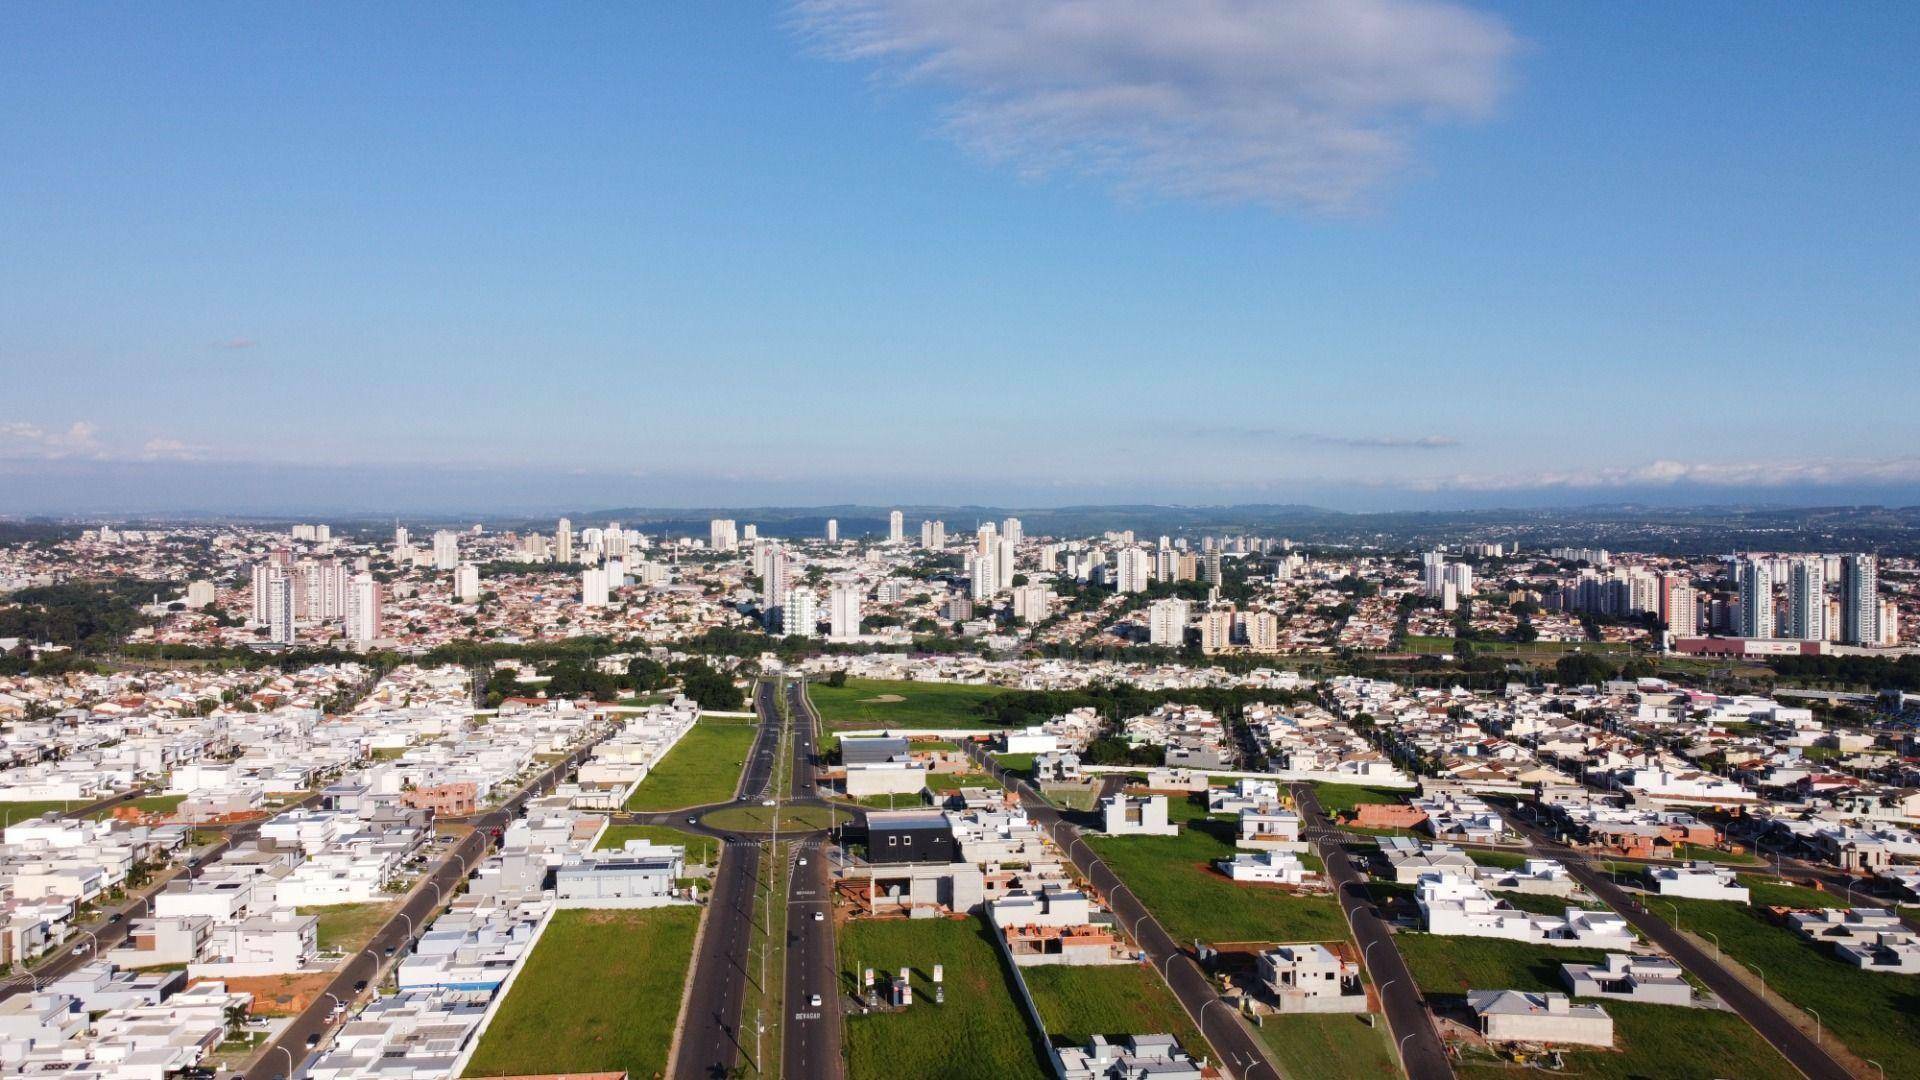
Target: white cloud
{"points": [[1666, 473], [19, 438], [163, 449], [234, 343], [1300, 104]]}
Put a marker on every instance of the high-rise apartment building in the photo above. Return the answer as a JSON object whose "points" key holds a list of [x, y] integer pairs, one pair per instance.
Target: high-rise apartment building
{"points": [[843, 611], [896, 527], [985, 580], [446, 549], [1860, 600], [466, 583], [1034, 603], [833, 530], [1263, 631], [1167, 623], [363, 610], [1210, 568], [280, 609], [798, 614], [1433, 572], [1755, 581], [593, 587], [1807, 600], [1011, 529], [775, 580], [1216, 629], [723, 535], [1132, 570]]}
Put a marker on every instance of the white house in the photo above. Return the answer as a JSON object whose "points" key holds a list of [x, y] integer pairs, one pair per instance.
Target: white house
{"points": [[1274, 867], [1628, 977], [1136, 815], [1519, 1016], [1699, 881]]}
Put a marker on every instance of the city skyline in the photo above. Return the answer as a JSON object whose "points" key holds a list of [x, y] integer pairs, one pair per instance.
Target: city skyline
{"points": [[1369, 256]]}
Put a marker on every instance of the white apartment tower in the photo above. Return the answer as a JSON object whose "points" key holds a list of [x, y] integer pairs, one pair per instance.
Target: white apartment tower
{"points": [[593, 587], [775, 580], [896, 527], [466, 583], [723, 535], [1011, 529], [833, 530], [1807, 600], [843, 611], [446, 549], [1756, 598], [280, 610], [1167, 623], [1032, 603], [797, 614], [985, 579], [1860, 601], [563, 541], [1433, 572], [1132, 570], [363, 610]]}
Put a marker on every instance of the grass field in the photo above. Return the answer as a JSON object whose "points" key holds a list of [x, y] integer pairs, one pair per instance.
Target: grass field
{"points": [[1533, 650], [1339, 799], [149, 804], [1454, 965], [948, 782], [1877, 1015], [1330, 1047], [700, 849], [1071, 796], [1017, 764], [1173, 876], [348, 927], [1078, 1003], [867, 703], [1666, 1042], [11, 812], [1695, 851], [600, 993], [703, 767], [980, 1031]]}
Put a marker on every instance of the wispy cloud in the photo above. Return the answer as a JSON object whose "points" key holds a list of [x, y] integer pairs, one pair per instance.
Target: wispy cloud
{"points": [[20, 438], [163, 449], [1384, 442], [1302, 104], [234, 343], [1741, 474]]}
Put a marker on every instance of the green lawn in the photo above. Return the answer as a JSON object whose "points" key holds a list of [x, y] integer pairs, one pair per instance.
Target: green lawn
{"points": [[1505, 860], [700, 849], [703, 767], [1330, 1047], [1662, 1041], [600, 993], [1071, 796], [1338, 799], [1173, 876], [869, 703], [947, 782], [981, 1031], [149, 804], [1695, 851], [348, 927], [11, 812], [1877, 1015], [1017, 764], [1078, 1003], [1443, 964]]}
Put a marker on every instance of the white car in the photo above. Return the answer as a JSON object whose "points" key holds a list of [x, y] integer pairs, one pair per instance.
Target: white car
{"points": [[819, 916], [766, 802], [816, 1001]]}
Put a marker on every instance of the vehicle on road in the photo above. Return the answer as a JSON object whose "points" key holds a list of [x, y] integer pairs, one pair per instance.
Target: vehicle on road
{"points": [[819, 916], [766, 802], [313, 1040], [816, 1001]]}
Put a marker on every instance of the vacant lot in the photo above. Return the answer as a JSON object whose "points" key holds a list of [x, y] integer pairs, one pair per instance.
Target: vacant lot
{"points": [[1174, 877], [700, 849], [1455, 965], [1339, 799], [146, 804], [600, 993], [348, 927], [11, 812], [1330, 1047], [703, 767], [874, 703], [1877, 1015], [1080, 1002], [980, 1031], [1666, 1042]]}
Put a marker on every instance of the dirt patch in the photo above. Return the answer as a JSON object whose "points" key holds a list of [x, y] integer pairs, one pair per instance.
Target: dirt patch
{"points": [[883, 699], [280, 995]]}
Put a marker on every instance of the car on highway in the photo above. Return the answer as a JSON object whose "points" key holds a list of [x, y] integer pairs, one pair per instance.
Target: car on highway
{"points": [[359, 985], [816, 1001], [819, 916], [766, 802], [690, 821], [803, 861], [313, 1040]]}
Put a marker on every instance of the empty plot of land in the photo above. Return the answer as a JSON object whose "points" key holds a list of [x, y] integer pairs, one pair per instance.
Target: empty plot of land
{"points": [[700, 849], [980, 1031], [1335, 1047], [874, 703], [348, 927], [601, 993], [1078, 1003], [1662, 1041], [1174, 877], [702, 768]]}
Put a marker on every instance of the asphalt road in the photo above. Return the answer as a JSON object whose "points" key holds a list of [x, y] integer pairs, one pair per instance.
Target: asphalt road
{"points": [[1772, 1025], [284, 1054], [812, 1045], [1241, 1052], [1421, 1051], [712, 1037]]}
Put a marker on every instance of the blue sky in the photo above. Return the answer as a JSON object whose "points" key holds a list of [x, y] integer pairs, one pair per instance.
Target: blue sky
{"points": [[1362, 254]]}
